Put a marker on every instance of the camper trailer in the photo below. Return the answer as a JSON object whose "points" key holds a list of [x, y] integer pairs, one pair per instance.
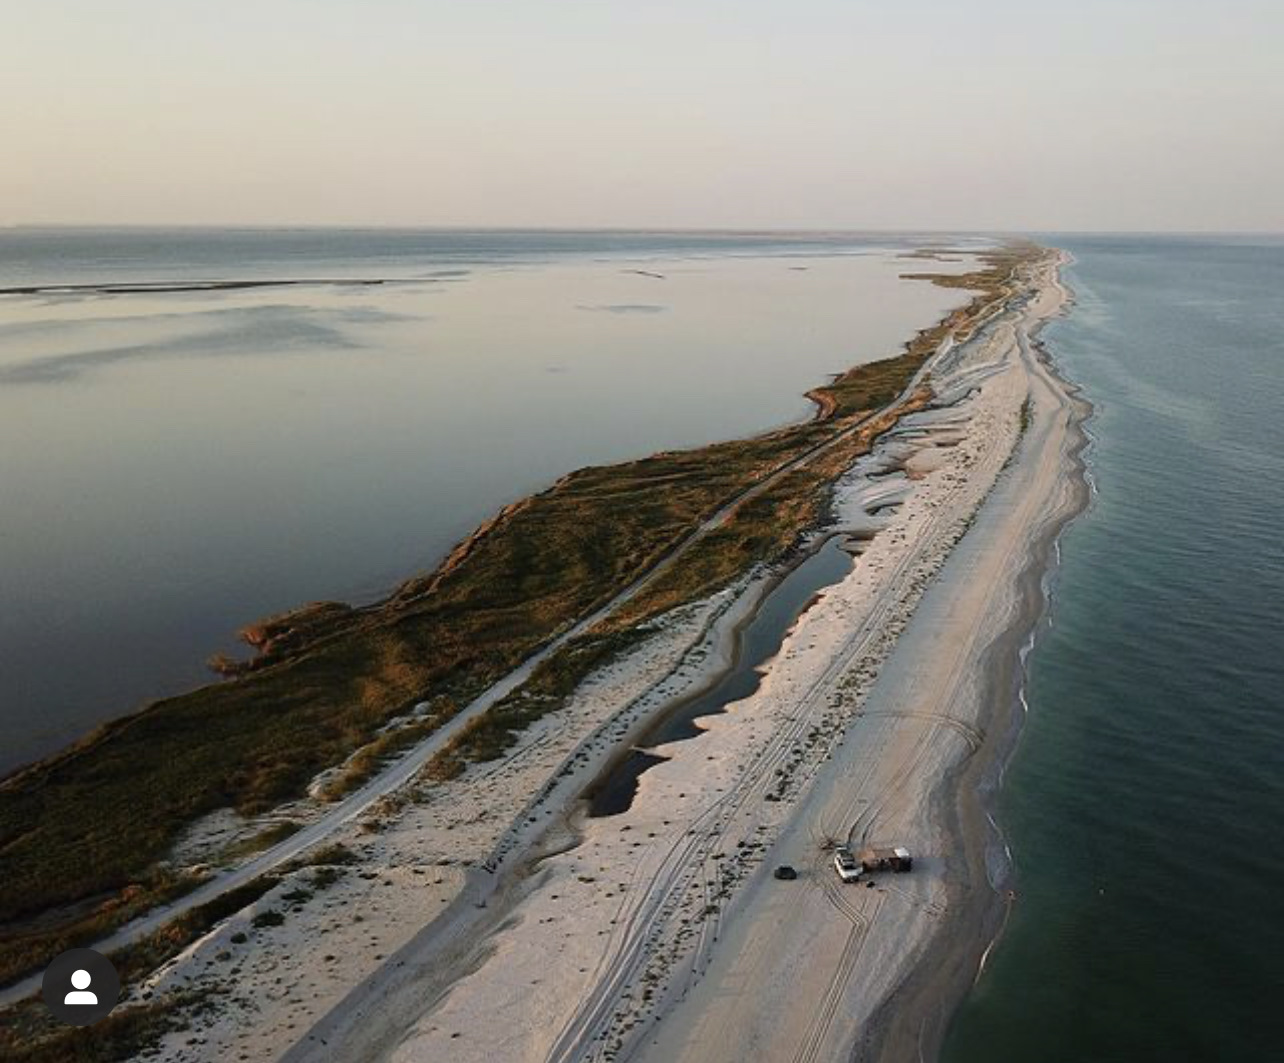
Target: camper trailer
{"points": [[877, 859]]}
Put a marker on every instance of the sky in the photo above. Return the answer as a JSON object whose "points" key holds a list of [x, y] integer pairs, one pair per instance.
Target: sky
{"points": [[834, 114]]}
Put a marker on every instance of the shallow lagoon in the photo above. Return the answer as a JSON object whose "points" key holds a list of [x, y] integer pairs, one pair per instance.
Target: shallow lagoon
{"points": [[176, 465]]}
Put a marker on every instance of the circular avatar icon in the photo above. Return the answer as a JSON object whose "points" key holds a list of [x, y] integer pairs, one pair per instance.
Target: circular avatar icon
{"points": [[81, 986]]}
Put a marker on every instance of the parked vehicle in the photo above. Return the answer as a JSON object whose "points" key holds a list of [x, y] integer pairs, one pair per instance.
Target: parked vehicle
{"points": [[846, 864], [785, 872]]}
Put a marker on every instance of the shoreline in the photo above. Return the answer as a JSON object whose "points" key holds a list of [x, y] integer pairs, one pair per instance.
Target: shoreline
{"points": [[915, 1018]]}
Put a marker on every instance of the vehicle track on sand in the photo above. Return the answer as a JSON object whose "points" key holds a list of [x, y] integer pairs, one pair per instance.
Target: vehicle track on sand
{"points": [[678, 872], [584, 1034], [862, 825], [814, 1039], [971, 735]]}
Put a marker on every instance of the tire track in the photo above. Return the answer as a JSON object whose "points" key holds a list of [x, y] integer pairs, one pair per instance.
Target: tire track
{"points": [[583, 1034]]}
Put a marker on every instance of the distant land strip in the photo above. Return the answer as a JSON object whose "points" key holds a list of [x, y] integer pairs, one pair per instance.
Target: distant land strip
{"points": [[154, 287]]}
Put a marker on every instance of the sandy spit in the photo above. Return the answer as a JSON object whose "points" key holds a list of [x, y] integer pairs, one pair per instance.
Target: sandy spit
{"points": [[660, 933]]}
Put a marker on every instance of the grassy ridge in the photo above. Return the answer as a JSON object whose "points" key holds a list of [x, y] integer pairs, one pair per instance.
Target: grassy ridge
{"points": [[83, 829], [91, 822], [762, 529]]}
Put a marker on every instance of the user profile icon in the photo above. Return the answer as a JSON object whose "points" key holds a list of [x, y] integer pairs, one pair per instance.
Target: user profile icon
{"points": [[81, 986], [80, 995]]}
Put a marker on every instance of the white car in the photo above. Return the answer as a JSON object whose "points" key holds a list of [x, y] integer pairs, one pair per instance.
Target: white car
{"points": [[846, 864]]}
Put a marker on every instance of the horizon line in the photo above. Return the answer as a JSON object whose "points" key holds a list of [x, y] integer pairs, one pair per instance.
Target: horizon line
{"points": [[633, 229]]}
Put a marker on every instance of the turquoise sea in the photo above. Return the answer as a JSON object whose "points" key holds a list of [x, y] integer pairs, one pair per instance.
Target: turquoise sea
{"points": [[1144, 805]]}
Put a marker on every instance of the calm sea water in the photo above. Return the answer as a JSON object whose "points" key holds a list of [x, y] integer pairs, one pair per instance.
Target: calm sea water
{"points": [[1145, 803], [175, 465]]}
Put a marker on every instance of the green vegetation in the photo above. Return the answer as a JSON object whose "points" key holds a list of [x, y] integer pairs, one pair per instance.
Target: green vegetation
{"points": [[264, 839], [762, 529], [367, 760], [82, 833], [31, 1033], [489, 735], [136, 961], [30, 944], [327, 856]]}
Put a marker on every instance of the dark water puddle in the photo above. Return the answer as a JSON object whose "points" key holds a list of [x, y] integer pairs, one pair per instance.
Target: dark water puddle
{"points": [[756, 644]]}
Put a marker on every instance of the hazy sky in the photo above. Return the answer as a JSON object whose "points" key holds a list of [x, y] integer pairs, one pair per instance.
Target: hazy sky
{"points": [[984, 114]]}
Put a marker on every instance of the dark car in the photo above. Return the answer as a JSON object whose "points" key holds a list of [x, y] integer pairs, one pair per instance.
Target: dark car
{"points": [[784, 871]]}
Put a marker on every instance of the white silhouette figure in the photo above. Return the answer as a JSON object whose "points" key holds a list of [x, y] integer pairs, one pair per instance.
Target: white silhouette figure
{"points": [[80, 979]]}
